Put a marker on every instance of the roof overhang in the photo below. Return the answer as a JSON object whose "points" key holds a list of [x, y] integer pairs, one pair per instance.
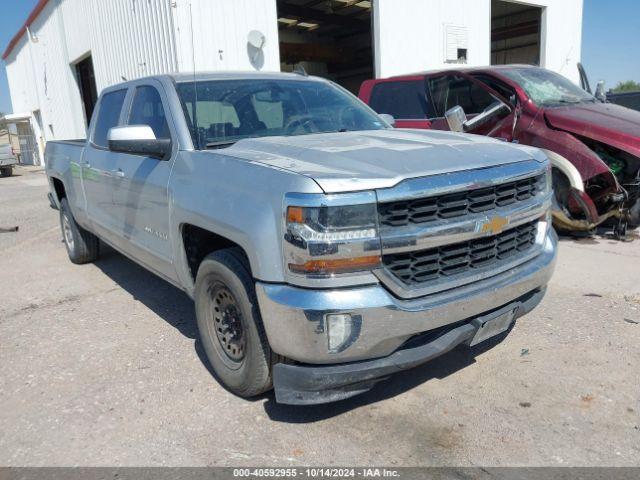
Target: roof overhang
{"points": [[16, 117]]}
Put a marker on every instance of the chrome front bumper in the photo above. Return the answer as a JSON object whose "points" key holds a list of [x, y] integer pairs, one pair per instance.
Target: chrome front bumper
{"points": [[294, 318]]}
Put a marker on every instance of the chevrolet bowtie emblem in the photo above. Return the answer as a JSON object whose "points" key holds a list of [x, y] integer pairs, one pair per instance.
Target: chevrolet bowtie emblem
{"points": [[493, 225]]}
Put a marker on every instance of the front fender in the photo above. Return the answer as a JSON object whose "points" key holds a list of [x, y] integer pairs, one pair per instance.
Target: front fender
{"points": [[567, 147], [239, 200]]}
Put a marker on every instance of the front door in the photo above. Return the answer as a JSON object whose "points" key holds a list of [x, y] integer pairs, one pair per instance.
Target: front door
{"points": [[458, 89], [140, 195]]}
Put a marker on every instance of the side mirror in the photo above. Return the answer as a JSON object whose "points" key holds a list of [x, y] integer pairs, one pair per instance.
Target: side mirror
{"points": [[456, 118], [138, 140], [388, 119], [600, 93]]}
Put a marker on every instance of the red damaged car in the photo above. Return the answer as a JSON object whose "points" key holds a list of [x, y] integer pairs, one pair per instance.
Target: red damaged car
{"points": [[594, 147]]}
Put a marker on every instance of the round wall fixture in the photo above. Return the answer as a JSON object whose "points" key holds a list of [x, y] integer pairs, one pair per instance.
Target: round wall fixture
{"points": [[256, 41]]}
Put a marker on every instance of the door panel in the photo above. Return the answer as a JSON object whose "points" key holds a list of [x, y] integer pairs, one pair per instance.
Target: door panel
{"points": [[98, 165], [140, 194], [421, 124], [458, 89]]}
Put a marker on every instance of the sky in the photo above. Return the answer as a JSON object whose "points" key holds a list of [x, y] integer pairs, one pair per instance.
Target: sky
{"points": [[610, 40]]}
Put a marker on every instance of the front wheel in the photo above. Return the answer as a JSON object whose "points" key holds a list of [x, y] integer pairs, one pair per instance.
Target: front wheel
{"points": [[6, 172], [230, 325]]}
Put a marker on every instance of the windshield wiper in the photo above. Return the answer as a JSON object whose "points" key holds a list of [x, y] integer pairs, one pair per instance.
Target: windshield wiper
{"points": [[220, 144]]}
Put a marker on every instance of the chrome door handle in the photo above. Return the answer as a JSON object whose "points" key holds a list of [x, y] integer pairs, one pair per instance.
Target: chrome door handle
{"points": [[117, 173]]}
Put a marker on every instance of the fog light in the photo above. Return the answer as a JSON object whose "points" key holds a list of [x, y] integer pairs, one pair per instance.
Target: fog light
{"points": [[339, 328]]}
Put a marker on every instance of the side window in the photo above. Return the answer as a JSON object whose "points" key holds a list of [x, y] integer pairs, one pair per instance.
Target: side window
{"points": [[502, 88], [402, 99], [108, 115], [451, 90], [147, 109]]}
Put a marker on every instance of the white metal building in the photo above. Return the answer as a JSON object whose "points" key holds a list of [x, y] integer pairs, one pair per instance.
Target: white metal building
{"points": [[69, 50]]}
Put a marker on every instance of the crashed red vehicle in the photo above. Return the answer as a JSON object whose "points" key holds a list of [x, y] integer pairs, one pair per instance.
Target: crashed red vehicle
{"points": [[594, 147]]}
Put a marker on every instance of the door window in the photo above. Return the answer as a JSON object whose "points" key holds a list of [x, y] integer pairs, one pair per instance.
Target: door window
{"points": [[402, 99], [108, 115], [451, 90], [502, 88], [147, 109]]}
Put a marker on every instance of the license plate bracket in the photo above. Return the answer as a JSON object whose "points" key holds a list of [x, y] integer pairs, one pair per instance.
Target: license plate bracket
{"points": [[489, 326]]}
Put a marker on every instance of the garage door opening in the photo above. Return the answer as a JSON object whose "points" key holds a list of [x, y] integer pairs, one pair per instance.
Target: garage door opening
{"points": [[515, 33], [87, 85], [328, 38]]}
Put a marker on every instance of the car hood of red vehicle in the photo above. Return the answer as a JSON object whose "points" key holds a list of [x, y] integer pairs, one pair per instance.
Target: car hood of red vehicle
{"points": [[605, 122]]}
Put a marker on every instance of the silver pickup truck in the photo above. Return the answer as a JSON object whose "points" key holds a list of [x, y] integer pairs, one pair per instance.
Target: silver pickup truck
{"points": [[324, 250], [7, 160]]}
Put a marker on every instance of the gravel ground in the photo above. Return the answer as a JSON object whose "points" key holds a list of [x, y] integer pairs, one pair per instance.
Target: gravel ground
{"points": [[100, 366]]}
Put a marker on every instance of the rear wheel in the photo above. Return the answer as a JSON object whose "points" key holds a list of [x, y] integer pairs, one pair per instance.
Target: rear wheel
{"points": [[230, 325], [82, 246], [6, 172]]}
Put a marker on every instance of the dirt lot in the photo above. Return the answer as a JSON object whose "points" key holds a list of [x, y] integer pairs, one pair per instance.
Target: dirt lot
{"points": [[100, 365]]}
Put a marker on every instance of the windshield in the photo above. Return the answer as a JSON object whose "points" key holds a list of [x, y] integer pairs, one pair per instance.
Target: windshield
{"points": [[547, 88], [221, 112]]}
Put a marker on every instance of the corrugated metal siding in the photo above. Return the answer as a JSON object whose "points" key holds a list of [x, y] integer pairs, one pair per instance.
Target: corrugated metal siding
{"points": [[220, 33], [126, 38], [49, 83], [130, 39]]}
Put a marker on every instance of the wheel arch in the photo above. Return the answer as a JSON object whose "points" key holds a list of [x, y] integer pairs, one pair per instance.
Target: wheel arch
{"points": [[567, 168], [198, 242]]}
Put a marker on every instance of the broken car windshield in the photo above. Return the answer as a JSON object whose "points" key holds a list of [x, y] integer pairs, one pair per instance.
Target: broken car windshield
{"points": [[221, 112], [547, 88]]}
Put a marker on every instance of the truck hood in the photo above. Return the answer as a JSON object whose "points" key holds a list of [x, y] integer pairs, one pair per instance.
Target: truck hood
{"points": [[604, 122], [351, 161]]}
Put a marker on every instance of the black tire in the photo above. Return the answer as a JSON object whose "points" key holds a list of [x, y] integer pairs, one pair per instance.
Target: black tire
{"points": [[6, 172], [230, 325], [82, 246]]}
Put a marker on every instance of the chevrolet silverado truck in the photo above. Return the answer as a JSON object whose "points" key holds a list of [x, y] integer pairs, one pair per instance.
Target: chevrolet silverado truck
{"points": [[7, 160], [324, 250]]}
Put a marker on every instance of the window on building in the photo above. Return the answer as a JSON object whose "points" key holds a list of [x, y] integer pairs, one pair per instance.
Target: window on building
{"points": [[449, 91], [147, 109], [402, 99], [108, 116]]}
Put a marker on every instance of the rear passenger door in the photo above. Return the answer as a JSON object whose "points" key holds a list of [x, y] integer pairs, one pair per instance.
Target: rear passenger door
{"points": [[98, 165], [140, 194], [406, 100], [451, 89]]}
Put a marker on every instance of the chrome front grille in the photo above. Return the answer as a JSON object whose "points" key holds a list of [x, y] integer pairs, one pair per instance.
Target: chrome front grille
{"points": [[434, 264], [458, 204], [443, 232]]}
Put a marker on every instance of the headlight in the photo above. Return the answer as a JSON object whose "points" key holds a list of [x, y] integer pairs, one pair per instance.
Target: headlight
{"points": [[325, 240]]}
